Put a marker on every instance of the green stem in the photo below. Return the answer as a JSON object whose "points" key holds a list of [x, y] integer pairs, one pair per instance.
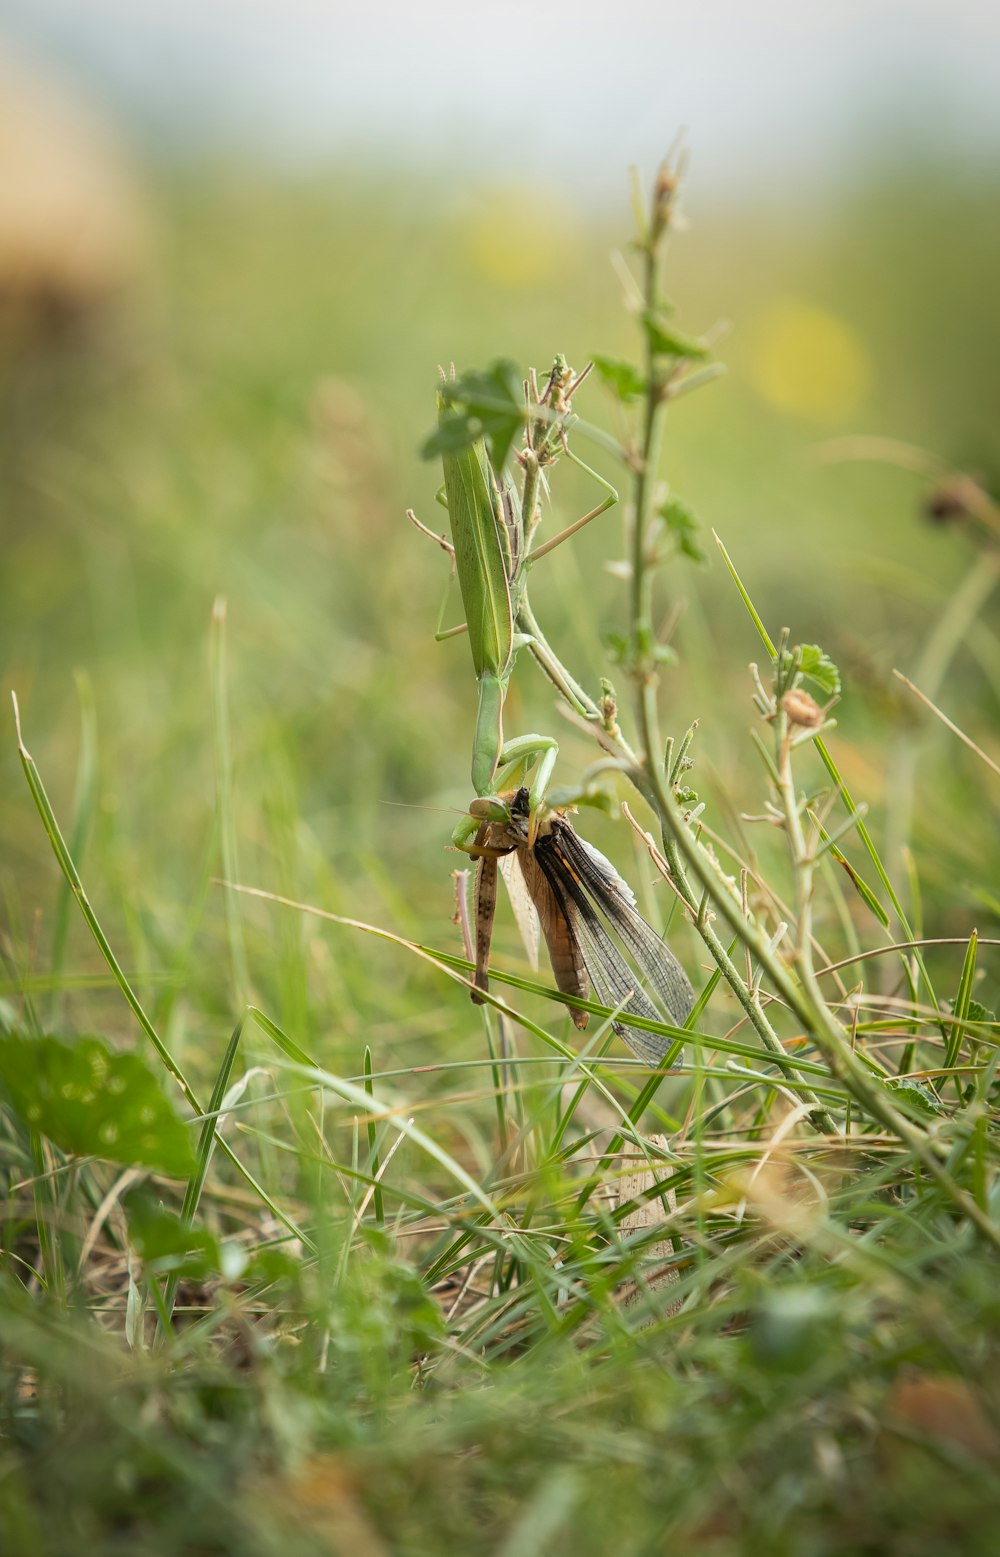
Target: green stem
{"points": [[683, 851], [641, 585], [636, 771], [643, 660], [803, 859]]}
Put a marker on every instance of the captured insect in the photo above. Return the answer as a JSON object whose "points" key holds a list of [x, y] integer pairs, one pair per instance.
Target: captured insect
{"points": [[588, 916]]}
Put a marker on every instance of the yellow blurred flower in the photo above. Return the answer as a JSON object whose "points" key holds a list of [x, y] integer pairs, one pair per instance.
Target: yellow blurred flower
{"points": [[807, 361], [520, 238]]}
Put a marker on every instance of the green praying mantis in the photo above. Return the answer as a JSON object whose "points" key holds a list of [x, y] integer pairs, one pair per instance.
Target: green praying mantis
{"points": [[493, 529], [488, 530], [587, 912]]}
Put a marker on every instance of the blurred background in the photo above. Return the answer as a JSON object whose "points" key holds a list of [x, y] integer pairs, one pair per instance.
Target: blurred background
{"points": [[236, 241]]}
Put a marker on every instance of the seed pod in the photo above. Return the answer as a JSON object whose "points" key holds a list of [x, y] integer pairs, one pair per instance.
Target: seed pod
{"points": [[802, 709]]}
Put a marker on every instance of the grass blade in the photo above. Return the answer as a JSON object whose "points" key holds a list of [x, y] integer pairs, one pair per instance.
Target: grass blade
{"points": [[373, 1158], [84, 806], [224, 805]]}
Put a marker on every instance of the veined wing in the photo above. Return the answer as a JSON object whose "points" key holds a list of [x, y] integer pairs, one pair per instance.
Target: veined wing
{"points": [[525, 913], [566, 954], [598, 905], [534, 903], [616, 899]]}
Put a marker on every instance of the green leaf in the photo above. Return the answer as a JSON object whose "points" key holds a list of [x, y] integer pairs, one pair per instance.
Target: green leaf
{"points": [[166, 1243], [89, 1099], [683, 524], [135, 1308], [665, 341], [486, 405], [454, 434], [917, 1097], [590, 795], [620, 376], [615, 645], [270, 1264], [981, 1013], [960, 1004], [820, 668]]}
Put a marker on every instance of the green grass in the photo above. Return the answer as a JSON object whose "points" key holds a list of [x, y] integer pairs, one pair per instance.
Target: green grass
{"points": [[349, 1272]]}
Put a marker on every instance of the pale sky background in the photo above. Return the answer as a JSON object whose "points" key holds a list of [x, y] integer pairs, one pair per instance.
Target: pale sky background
{"points": [[774, 92]]}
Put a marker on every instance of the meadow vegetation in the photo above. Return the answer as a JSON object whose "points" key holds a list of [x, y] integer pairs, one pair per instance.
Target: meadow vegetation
{"points": [[301, 1251]]}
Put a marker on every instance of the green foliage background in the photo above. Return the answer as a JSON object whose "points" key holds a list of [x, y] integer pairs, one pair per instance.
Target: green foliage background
{"points": [[252, 431], [247, 426]]}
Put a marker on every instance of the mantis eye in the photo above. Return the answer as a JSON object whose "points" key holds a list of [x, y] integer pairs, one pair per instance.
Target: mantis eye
{"points": [[490, 809]]}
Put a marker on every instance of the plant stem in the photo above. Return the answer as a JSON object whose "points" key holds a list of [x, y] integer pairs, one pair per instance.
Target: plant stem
{"points": [[802, 857], [642, 641], [637, 772], [647, 773]]}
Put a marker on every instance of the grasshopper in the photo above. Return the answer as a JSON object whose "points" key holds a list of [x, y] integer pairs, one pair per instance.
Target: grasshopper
{"points": [[589, 918]]}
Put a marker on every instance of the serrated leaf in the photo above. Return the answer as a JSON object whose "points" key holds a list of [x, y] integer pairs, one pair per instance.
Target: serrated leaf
{"points": [[820, 668], [981, 1013], [915, 1096], [620, 376], [683, 524], [91, 1100], [666, 341], [480, 405]]}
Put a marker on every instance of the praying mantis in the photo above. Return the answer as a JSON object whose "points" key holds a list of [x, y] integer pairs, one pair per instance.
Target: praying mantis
{"points": [[488, 531], [493, 528], [573, 891]]}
